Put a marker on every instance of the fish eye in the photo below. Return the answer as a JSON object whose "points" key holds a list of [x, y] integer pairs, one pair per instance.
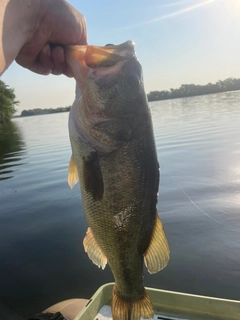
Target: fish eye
{"points": [[133, 81]]}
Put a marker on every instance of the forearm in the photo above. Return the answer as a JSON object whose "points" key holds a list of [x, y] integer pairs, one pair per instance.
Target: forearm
{"points": [[18, 21]]}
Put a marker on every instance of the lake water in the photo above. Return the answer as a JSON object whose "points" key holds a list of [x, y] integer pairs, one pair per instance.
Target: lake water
{"points": [[41, 219]]}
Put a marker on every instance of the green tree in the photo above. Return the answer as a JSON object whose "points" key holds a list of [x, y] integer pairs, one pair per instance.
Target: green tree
{"points": [[7, 102], [189, 90], [34, 112]]}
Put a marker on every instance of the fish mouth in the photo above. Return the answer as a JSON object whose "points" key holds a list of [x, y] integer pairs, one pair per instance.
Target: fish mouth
{"points": [[98, 61], [99, 56]]}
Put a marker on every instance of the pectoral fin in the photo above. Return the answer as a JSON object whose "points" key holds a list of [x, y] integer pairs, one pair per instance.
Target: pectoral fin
{"points": [[72, 173], [92, 176], [93, 250], [157, 254]]}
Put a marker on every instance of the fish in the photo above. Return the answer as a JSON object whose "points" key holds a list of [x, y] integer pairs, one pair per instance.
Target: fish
{"points": [[114, 157]]}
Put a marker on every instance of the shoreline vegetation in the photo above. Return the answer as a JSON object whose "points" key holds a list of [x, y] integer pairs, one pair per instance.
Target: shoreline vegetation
{"points": [[191, 90], [35, 112], [8, 102]]}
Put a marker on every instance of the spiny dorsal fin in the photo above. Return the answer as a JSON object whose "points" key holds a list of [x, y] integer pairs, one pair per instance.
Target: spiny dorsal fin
{"points": [[72, 173], [93, 250], [157, 254]]}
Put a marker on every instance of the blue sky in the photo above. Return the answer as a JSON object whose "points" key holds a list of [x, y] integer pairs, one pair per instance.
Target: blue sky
{"points": [[177, 42]]}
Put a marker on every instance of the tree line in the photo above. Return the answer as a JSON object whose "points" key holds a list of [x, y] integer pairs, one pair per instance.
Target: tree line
{"points": [[8, 100], [189, 90], [34, 112]]}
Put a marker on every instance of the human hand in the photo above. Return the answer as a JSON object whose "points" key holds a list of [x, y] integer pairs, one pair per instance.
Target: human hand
{"points": [[57, 24]]}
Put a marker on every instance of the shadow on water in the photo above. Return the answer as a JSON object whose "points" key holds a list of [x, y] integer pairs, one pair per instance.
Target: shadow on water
{"points": [[12, 149]]}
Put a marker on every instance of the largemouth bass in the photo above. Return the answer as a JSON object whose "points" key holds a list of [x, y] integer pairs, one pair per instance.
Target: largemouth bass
{"points": [[114, 157]]}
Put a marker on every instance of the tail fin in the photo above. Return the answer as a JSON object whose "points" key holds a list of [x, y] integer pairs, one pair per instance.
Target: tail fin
{"points": [[131, 310]]}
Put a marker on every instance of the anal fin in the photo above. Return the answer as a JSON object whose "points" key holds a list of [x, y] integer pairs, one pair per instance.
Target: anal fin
{"points": [[157, 254], [93, 250], [72, 173]]}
